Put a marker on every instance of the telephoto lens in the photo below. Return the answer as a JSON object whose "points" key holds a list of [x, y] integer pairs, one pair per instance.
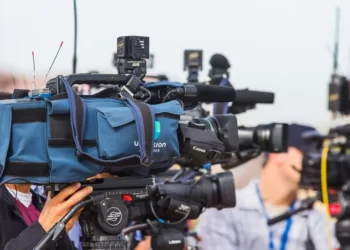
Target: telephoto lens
{"points": [[268, 137], [211, 191]]}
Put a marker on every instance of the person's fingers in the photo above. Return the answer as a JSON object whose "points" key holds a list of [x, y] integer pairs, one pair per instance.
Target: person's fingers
{"points": [[94, 177], [65, 193], [101, 176], [49, 196], [78, 196]]}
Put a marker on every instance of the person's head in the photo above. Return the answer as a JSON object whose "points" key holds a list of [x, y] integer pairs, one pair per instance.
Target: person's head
{"points": [[219, 70], [287, 166]]}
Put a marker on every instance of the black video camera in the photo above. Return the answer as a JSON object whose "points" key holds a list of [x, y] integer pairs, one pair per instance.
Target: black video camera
{"points": [[253, 141], [329, 160], [116, 202], [337, 158]]}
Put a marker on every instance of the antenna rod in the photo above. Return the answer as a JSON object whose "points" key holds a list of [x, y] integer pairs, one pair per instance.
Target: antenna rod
{"points": [[13, 81], [58, 51], [34, 84], [75, 37], [336, 42]]}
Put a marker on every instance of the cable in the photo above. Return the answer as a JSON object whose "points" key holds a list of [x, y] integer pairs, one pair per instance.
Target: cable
{"points": [[324, 189], [148, 92], [168, 94], [14, 178], [134, 228], [75, 36], [189, 205]]}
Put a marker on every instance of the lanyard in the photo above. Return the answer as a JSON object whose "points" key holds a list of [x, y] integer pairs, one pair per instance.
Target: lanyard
{"points": [[284, 238]]}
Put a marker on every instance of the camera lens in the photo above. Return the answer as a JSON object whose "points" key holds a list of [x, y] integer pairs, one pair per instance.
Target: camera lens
{"points": [[212, 191], [269, 138]]}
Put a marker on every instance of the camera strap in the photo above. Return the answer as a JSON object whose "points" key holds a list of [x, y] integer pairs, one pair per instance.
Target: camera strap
{"points": [[284, 239], [144, 120]]}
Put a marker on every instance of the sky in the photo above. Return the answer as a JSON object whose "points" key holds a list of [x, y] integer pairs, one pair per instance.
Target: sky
{"points": [[282, 46]]}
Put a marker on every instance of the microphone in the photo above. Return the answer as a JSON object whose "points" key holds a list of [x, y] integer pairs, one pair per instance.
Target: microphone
{"points": [[245, 96], [218, 61], [205, 93]]}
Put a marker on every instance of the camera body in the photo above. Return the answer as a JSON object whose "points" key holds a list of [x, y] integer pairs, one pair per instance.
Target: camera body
{"points": [[119, 111], [331, 153], [131, 54], [118, 201], [337, 158]]}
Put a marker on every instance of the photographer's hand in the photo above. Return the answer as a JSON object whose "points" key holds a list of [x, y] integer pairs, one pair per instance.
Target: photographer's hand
{"points": [[58, 206]]}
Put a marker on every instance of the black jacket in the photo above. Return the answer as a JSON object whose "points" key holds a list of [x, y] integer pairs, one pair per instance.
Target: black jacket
{"points": [[15, 233]]}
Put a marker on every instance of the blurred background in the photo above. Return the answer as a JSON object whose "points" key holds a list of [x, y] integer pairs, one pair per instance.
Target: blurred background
{"points": [[273, 45]]}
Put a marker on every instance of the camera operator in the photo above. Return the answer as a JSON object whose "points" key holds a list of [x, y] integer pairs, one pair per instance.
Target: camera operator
{"points": [[245, 226], [24, 219]]}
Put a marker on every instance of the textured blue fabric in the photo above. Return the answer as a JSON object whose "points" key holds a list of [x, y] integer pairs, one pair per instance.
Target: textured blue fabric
{"points": [[111, 123], [163, 83], [115, 123], [5, 134]]}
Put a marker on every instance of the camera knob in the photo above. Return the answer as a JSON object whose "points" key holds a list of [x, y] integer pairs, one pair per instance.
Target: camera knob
{"points": [[113, 216]]}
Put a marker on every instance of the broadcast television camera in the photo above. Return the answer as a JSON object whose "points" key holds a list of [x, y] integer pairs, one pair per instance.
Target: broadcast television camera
{"points": [[329, 160], [116, 202], [128, 106]]}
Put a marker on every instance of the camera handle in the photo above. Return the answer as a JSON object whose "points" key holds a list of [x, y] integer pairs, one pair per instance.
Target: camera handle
{"points": [[306, 204], [56, 231]]}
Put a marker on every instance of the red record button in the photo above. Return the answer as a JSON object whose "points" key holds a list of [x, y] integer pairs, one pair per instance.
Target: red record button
{"points": [[127, 197]]}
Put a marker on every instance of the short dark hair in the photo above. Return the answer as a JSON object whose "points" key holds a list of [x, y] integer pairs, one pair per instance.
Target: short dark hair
{"points": [[162, 78], [5, 96]]}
